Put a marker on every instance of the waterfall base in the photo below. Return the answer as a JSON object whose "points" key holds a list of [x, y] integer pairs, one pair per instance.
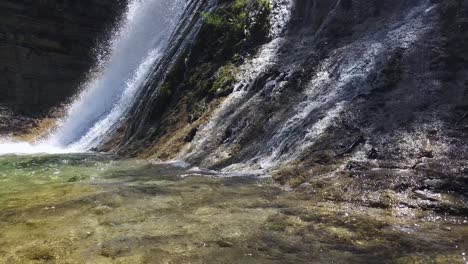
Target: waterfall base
{"points": [[90, 208]]}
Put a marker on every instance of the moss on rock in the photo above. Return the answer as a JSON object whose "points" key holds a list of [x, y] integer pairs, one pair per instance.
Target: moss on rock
{"points": [[206, 71]]}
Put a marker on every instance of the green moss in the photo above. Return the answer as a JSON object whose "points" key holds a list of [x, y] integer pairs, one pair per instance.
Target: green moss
{"points": [[238, 5], [165, 91], [260, 26], [200, 79], [227, 33], [213, 19], [291, 175], [175, 77], [206, 70], [235, 27], [225, 79]]}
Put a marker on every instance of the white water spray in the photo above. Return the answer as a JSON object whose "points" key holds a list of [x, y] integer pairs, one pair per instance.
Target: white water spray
{"points": [[137, 45], [337, 80]]}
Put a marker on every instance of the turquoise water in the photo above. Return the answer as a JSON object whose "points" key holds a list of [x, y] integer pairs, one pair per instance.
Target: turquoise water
{"points": [[98, 209]]}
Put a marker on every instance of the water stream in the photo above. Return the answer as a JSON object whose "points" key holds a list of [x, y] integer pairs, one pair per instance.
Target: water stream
{"points": [[83, 208], [72, 206], [137, 44]]}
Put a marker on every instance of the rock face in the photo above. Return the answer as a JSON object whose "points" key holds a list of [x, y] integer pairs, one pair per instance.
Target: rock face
{"points": [[46, 48], [360, 100]]}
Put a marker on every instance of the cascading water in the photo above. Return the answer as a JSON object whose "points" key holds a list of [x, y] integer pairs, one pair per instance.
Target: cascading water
{"points": [[137, 45], [335, 82], [265, 58], [357, 107]]}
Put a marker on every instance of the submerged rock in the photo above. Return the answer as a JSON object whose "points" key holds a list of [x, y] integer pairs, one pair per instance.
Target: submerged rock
{"points": [[135, 212]]}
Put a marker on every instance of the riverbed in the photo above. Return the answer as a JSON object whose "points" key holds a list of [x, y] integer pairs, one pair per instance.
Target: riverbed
{"points": [[90, 208]]}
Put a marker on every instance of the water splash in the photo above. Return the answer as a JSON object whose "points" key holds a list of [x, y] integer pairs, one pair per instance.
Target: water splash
{"points": [[10, 146], [280, 16], [136, 46]]}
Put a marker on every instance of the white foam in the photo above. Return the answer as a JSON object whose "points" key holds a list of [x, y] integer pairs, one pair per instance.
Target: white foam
{"points": [[109, 94], [107, 98], [337, 80], [12, 147]]}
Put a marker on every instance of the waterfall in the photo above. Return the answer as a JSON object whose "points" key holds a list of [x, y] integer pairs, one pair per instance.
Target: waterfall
{"points": [[286, 95], [337, 79], [263, 61], [139, 42]]}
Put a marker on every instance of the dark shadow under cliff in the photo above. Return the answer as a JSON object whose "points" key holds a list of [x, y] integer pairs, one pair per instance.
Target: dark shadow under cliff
{"points": [[48, 47]]}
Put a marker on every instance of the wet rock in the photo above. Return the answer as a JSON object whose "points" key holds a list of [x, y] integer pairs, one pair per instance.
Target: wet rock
{"points": [[103, 209], [74, 179], [47, 49], [12, 124], [426, 154], [224, 243], [112, 251], [191, 134], [372, 154], [40, 254]]}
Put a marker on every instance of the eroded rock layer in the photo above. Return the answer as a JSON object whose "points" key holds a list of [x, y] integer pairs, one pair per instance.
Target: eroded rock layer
{"points": [[46, 49], [359, 100]]}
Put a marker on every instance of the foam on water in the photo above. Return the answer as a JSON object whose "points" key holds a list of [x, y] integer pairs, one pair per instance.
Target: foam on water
{"points": [[12, 147]]}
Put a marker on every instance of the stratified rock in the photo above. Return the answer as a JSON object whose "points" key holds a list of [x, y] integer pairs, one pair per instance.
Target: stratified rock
{"points": [[46, 48]]}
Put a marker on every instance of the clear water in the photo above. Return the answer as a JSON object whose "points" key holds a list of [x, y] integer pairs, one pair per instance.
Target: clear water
{"points": [[85, 208]]}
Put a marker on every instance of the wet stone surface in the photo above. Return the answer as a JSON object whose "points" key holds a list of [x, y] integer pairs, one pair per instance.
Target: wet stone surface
{"points": [[95, 209]]}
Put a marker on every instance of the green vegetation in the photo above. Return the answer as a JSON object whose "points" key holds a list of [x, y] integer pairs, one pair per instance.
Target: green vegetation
{"points": [[173, 78], [228, 33], [293, 176], [225, 79], [234, 28], [207, 69]]}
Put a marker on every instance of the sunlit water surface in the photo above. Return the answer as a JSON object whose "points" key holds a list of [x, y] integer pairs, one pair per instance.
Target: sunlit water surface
{"points": [[97, 209]]}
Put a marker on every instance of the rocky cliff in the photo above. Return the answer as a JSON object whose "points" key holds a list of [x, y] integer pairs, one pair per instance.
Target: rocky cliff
{"points": [[360, 101], [46, 49], [357, 100]]}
